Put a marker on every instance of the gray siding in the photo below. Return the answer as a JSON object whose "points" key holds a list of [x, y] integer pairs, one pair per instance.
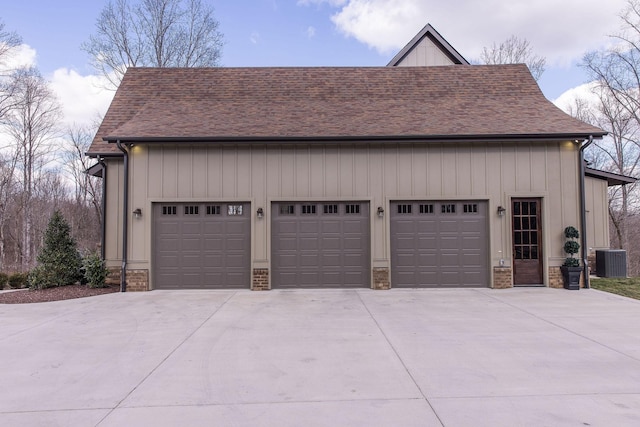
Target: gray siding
{"points": [[597, 213]]}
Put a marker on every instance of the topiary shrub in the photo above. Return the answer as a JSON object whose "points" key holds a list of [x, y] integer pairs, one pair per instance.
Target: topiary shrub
{"points": [[571, 247], [4, 280], [95, 270], [18, 280], [59, 262]]}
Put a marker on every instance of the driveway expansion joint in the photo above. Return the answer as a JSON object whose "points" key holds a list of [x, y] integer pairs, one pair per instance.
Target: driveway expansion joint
{"points": [[404, 365], [168, 355], [564, 328]]}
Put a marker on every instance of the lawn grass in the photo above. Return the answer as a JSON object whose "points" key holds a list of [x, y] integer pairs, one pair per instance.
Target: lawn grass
{"points": [[625, 287]]}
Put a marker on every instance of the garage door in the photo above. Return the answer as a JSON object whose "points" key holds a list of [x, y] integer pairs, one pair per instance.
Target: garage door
{"points": [[202, 245], [439, 244], [318, 245]]}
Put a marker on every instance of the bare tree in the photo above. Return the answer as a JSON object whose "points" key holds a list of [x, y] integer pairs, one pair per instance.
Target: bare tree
{"points": [[617, 69], [514, 50], [8, 42], [87, 188], [155, 33], [31, 125], [633, 248], [7, 195], [618, 152], [616, 74]]}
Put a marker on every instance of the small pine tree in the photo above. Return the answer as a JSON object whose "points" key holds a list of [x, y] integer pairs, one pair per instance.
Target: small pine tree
{"points": [[59, 262], [95, 272]]}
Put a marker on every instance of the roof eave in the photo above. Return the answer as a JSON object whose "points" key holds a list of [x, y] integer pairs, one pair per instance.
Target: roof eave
{"points": [[612, 179], [94, 154], [355, 139]]}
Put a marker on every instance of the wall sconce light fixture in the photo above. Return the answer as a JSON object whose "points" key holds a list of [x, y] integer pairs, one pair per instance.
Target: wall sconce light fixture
{"points": [[260, 213], [501, 211], [380, 211], [137, 213]]}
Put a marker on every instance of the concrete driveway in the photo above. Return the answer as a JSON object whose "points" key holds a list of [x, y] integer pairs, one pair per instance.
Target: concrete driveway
{"points": [[518, 357]]}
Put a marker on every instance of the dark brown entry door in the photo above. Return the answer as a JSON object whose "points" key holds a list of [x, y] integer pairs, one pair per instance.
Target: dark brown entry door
{"points": [[527, 242]]}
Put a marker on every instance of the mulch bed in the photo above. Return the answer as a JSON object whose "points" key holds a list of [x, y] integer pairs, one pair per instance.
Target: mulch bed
{"points": [[54, 294]]}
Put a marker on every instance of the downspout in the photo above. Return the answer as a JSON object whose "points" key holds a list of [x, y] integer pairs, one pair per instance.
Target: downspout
{"points": [[104, 207], [125, 217], [583, 214]]}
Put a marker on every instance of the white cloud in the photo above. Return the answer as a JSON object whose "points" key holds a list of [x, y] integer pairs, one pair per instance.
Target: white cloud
{"points": [[567, 101], [561, 31], [83, 98], [334, 3], [311, 31], [22, 56], [255, 37]]}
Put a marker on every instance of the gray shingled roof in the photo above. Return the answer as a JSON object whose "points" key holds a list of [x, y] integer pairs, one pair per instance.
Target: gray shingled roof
{"points": [[459, 102]]}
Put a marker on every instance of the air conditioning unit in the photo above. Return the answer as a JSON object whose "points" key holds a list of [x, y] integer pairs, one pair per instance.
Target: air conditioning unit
{"points": [[611, 263]]}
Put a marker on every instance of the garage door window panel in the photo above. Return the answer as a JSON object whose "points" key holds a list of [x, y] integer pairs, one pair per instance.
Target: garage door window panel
{"points": [[287, 209], [169, 210], [213, 210], [330, 209], [308, 209], [448, 208], [352, 209], [404, 209]]}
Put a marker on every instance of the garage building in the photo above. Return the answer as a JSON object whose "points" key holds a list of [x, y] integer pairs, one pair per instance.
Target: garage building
{"points": [[450, 175]]}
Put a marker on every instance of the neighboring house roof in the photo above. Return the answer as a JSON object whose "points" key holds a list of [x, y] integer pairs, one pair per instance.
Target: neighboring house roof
{"points": [[611, 178], [428, 32], [444, 103]]}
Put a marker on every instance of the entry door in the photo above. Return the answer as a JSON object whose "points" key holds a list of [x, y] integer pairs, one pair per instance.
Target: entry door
{"points": [[527, 242]]}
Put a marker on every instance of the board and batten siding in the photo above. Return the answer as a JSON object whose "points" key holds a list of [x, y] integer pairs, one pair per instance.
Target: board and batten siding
{"points": [[376, 173], [425, 53], [113, 200], [597, 213]]}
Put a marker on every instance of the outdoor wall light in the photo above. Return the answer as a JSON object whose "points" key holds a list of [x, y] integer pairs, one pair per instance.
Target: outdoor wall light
{"points": [[260, 212], [137, 213], [501, 211], [380, 211]]}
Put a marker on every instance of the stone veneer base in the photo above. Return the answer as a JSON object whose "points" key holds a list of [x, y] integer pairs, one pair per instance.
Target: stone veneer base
{"points": [[381, 278], [502, 278], [260, 279], [137, 280]]}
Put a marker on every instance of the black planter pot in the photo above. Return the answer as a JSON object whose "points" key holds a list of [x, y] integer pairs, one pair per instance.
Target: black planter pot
{"points": [[571, 277]]}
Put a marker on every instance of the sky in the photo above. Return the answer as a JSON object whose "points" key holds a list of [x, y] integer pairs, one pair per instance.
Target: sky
{"points": [[324, 33]]}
